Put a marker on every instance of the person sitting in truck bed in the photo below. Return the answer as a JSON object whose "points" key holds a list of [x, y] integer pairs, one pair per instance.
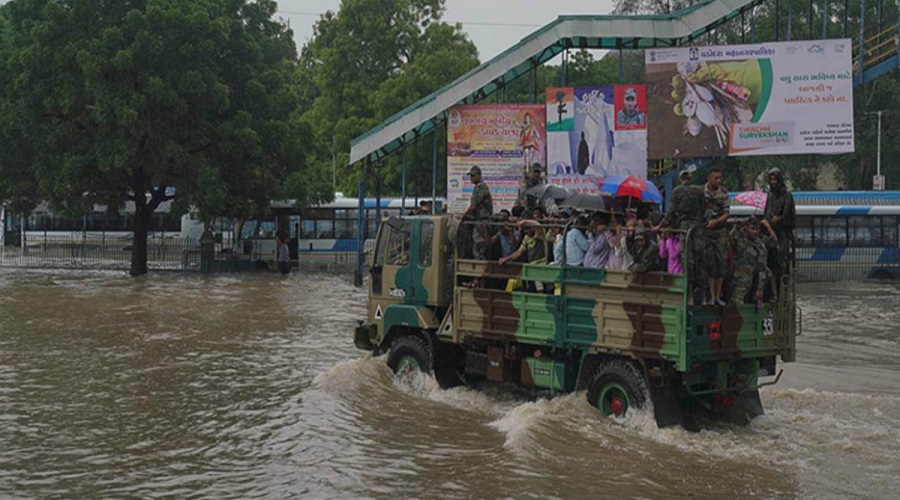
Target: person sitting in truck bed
{"points": [[644, 252]]}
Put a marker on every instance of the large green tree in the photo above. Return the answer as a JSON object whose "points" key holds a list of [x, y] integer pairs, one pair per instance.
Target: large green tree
{"points": [[146, 100]]}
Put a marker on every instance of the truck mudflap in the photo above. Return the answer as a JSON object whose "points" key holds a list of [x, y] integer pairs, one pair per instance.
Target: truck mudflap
{"points": [[363, 335]]}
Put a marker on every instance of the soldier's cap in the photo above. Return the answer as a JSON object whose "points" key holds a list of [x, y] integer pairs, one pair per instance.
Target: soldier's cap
{"points": [[685, 174], [536, 167], [475, 170], [630, 92]]}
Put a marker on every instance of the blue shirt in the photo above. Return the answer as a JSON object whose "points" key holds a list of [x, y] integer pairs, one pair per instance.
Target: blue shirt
{"points": [[576, 247]]}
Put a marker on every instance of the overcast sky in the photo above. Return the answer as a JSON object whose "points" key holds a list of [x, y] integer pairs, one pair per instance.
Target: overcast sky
{"points": [[493, 25]]}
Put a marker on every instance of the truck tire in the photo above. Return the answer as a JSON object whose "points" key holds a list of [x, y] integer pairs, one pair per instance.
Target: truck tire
{"points": [[409, 354], [616, 387]]}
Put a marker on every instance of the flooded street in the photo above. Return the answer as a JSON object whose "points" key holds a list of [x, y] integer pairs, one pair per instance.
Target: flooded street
{"points": [[249, 386]]}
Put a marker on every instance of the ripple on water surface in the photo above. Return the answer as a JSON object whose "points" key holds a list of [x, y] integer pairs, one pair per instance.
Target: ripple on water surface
{"points": [[247, 386]]}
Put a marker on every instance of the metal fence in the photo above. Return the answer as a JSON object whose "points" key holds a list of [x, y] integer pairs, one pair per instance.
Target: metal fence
{"points": [[100, 252]]}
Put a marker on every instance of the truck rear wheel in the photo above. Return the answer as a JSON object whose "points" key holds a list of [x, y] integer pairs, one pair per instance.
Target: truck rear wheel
{"points": [[617, 386], [409, 355]]}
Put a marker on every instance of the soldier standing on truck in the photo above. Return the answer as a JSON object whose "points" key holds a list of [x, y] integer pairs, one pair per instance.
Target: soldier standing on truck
{"points": [[780, 213], [714, 234], [481, 207], [685, 211], [750, 264]]}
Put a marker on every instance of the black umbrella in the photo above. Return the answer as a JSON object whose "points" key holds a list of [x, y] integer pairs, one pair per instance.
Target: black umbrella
{"points": [[544, 191], [583, 201]]}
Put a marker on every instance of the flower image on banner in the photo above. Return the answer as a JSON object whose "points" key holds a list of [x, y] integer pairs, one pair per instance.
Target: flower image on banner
{"points": [[504, 140], [595, 147]]}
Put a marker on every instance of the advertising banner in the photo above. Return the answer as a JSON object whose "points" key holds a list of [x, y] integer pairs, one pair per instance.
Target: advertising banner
{"points": [[594, 133], [744, 100], [503, 140]]}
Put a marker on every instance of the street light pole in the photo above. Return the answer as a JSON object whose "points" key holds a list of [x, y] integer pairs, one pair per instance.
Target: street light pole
{"points": [[878, 161]]}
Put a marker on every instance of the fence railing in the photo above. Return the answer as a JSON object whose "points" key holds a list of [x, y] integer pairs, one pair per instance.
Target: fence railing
{"points": [[100, 252]]}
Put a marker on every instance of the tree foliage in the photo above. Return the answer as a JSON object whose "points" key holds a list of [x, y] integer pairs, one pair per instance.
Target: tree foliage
{"points": [[108, 102], [370, 60]]}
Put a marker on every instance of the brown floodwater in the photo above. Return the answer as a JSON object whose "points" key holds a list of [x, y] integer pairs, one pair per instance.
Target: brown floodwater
{"points": [[248, 386]]}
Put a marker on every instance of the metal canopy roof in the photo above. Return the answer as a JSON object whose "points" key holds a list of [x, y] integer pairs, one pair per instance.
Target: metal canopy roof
{"points": [[579, 32]]}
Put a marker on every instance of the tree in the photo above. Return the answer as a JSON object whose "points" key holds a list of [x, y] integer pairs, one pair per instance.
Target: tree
{"points": [[370, 60], [122, 101]]}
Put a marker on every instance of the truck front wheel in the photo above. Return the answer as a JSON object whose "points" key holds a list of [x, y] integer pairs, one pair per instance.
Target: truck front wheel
{"points": [[409, 355], [617, 387]]}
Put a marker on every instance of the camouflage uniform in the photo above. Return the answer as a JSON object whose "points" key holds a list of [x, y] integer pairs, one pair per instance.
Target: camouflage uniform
{"points": [[750, 265], [484, 208], [685, 211], [715, 241], [523, 199]]}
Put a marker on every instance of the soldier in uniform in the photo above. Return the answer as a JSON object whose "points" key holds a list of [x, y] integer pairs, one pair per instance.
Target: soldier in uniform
{"points": [[750, 273], [481, 207], [779, 214], [684, 212], [533, 179], [714, 234]]}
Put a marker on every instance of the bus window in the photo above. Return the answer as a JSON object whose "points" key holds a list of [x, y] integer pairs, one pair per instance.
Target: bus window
{"points": [[831, 231], [266, 229], [425, 244], [803, 231], [890, 230], [325, 229], [864, 231], [308, 229], [248, 229]]}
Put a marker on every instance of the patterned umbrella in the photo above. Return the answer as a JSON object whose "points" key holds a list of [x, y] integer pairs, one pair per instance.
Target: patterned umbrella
{"points": [[751, 199], [629, 185]]}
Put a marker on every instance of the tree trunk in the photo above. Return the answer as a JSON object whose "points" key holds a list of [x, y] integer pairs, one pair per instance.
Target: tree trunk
{"points": [[142, 214]]}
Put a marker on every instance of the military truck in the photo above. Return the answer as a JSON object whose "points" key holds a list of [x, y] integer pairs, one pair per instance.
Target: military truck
{"points": [[628, 339]]}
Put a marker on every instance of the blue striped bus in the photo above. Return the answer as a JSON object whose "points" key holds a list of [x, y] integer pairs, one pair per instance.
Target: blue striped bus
{"points": [[844, 235]]}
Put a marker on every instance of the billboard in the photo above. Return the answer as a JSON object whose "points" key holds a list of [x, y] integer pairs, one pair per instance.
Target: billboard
{"points": [[742, 100], [594, 133], [502, 139]]}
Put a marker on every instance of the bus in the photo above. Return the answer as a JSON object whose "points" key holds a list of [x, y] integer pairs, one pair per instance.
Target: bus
{"points": [[844, 235], [42, 224], [321, 236]]}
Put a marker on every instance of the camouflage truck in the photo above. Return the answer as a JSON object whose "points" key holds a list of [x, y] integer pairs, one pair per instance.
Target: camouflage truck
{"points": [[626, 338]]}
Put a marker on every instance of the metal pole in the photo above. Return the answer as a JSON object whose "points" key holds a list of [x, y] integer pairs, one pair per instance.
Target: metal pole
{"points": [[531, 95], [790, 17], [434, 150], [878, 161], [846, 18], [825, 19], [403, 183], [753, 25], [862, 37], [743, 27], [621, 65], [333, 163], [361, 226], [809, 21], [777, 20]]}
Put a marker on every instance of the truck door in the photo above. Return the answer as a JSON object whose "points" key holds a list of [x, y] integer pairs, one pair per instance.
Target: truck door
{"points": [[389, 267]]}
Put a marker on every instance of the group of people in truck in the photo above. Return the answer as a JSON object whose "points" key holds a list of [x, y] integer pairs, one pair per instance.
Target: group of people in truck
{"points": [[727, 260]]}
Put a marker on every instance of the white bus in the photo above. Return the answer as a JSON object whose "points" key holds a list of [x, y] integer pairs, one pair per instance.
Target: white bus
{"points": [[322, 236]]}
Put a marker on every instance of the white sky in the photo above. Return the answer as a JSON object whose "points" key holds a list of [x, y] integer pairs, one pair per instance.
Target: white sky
{"points": [[494, 25]]}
